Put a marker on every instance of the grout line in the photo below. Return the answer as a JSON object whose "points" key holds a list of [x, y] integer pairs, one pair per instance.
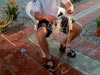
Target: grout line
{"points": [[7, 67], [9, 41], [38, 64]]}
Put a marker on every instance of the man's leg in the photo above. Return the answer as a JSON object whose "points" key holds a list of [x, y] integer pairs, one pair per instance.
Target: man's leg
{"points": [[41, 33], [76, 30]]}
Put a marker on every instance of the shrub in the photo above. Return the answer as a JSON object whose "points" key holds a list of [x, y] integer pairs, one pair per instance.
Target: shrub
{"points": [[11, 8]]}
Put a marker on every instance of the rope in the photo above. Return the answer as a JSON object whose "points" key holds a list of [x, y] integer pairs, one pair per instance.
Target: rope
{"points": [[67, 46], [5, 23]]}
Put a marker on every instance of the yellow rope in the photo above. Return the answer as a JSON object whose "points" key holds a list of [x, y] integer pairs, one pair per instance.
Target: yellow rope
{"points": [[5, 23]]}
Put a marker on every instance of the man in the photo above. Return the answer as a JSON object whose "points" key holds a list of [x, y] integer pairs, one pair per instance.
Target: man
{"points": [[46, 12]]}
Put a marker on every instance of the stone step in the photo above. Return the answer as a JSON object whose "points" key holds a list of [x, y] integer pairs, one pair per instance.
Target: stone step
{"points": [[89, 17], [25, 66], [12, 63], [85, 6], [66, 67], [86, 11], [82, 63]]}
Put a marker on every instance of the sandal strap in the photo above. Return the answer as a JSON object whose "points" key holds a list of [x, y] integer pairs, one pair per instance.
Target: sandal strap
{"points": [[71, 54], [62, 49], [49, 67]]}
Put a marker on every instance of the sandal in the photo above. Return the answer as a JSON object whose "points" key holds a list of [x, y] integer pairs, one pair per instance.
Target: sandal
{"points": [[50, 66], [71, 52]]}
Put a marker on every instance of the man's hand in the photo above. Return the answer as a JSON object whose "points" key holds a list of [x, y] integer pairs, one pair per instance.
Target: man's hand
{"points": [[70, 10], [49, 17], [70, 7]]}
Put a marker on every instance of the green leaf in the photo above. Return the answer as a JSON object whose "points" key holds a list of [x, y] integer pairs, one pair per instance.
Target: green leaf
{"points": [[98, 23]]}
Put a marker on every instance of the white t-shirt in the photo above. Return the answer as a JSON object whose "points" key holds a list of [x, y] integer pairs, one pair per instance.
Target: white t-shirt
{"points": [[47, 6]]}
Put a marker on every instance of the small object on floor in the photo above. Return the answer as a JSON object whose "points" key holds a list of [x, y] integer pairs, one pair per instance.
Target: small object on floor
{"points": [[23, 52]]}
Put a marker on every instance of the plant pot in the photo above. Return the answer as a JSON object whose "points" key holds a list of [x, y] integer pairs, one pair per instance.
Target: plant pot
{"points": [[98, 32]]}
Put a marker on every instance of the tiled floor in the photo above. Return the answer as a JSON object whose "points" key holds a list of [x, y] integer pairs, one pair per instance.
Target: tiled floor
{"points": [[12, 63]]}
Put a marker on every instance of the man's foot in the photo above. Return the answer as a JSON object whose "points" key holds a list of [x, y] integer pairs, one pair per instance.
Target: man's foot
{"points": [[71, 53], [50, 65], [62, 49]]}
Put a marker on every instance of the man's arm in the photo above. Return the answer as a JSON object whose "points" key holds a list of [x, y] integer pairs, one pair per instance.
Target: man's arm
{"points": [[47, 17], [36, 10], [38, 16]]}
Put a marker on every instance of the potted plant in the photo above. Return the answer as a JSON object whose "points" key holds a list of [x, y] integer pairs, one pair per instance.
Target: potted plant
{"points": [[98, 27], [11, 8]]}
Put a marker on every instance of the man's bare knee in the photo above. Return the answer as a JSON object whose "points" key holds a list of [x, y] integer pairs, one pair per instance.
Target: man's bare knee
{"points": [[77, 27], [41, 32]]}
